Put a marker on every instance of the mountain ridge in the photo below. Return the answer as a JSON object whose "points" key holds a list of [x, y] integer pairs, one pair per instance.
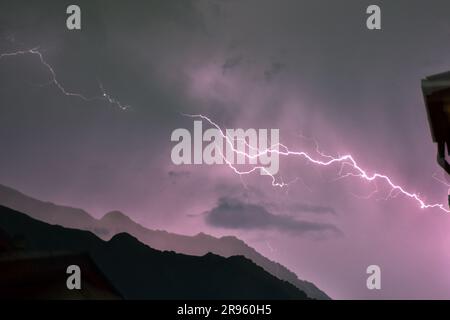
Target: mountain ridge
{"points": [[108, 226], [141, 272]]}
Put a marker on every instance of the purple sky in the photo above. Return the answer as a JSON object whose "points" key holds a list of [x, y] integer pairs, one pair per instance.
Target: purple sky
{"points": [[311, 69]]}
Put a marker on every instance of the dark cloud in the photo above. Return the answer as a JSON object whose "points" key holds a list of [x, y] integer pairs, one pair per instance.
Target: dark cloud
{"points": [[178, 174], [274, 69], [234, 214], [231, 63], [257, 195], [312, 208]]}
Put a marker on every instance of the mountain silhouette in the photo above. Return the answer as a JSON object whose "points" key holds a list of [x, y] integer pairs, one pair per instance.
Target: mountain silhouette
{"points": [[140, 272], [116, 222]]}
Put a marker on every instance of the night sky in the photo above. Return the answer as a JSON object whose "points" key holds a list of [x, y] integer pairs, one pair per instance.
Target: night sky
{"points": [[310, 68]]}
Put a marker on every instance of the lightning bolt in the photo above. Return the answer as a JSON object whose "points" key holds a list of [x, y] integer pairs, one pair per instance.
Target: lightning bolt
{"points": [[441, 181], [345, 161], [54, 80]]}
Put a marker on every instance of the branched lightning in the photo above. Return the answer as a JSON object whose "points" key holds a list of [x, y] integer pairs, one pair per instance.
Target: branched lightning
{"points": [[345, 161], [447, 184], [54, 80], [326, 160]]}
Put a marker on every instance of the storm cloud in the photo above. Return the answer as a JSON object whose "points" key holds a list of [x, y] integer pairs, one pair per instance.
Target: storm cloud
{"points": [[309, 68], [234, 214], [305, 207]]}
